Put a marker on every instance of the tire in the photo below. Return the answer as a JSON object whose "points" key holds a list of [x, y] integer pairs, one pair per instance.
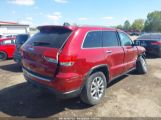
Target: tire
{"points": [[159, 55], [3, 56], [141, 65], [98, 79]]}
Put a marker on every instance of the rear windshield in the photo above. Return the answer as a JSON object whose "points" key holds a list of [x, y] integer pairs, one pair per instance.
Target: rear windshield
{"points": [[20, 39], [50, 37]]}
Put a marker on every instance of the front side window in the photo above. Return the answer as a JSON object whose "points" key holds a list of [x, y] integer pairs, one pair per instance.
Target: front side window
{"points": [[125, 40], [109, 39], [93, 40]]}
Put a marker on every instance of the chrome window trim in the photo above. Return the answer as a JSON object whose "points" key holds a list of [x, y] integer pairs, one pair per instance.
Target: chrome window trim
{"points": [[102, 46], [70, 91], [26, 73], [86, 36]]}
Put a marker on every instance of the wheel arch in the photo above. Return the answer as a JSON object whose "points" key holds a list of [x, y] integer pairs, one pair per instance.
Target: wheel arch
{"points": [[4, 53], [143, 54], [101, 68]]}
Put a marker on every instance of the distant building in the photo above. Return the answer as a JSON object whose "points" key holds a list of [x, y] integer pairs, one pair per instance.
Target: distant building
{"points": [[12, 28]]}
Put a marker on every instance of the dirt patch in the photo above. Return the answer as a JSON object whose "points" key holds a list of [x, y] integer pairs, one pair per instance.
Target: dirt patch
{"points": [[129, 96]]}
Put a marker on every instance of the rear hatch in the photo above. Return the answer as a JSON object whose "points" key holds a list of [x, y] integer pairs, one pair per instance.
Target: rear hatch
{"points": [[40, 52]]}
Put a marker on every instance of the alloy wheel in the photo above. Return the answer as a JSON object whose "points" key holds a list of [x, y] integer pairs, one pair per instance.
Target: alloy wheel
{"points": [[97, 88]]}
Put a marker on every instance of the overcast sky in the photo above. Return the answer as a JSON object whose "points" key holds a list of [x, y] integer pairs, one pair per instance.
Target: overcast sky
{"points": [[91, 12]]}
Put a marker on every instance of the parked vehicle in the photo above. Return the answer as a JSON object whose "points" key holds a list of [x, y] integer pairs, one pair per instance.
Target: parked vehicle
{"points": [[79, 61], [20, 40], [10, 36], [133, 32], [7, 36], [151, 42], [7, 48]]}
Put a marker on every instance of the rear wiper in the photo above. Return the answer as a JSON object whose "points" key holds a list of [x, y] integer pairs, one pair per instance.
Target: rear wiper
{"points": [[41, 44]]}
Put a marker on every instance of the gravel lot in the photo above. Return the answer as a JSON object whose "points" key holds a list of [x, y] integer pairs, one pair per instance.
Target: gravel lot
{"points": [[129, 96]]}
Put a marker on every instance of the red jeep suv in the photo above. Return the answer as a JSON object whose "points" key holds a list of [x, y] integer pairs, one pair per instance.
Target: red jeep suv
{"points": [[79, 61]]}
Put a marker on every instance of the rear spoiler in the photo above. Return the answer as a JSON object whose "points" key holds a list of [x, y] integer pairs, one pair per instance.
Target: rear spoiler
{"points": [[71, 28]]}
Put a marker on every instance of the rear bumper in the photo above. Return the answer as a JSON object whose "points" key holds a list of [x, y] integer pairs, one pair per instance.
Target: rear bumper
{"points": [[62, 95], [62, 87]]}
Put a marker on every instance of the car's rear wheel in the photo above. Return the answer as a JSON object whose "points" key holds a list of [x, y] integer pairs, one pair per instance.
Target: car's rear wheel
{"points": [[94, 89], [141, 65], [3, 56]]}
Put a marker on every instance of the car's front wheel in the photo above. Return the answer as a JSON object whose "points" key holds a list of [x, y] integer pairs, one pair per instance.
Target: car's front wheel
{"points": [[141, 65], [3, 56], [159, 55], [94, 89]]}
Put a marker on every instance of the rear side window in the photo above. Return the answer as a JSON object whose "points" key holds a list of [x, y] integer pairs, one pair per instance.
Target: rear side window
{"points": [[109, 39], [93, 40], [50, 37]]}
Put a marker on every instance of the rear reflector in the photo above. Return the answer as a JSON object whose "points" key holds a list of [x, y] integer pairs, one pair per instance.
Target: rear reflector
{"points": [[156, 43]]}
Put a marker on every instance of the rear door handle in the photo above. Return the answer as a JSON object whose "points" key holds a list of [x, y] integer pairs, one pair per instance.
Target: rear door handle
{"points": [[108, 52]]}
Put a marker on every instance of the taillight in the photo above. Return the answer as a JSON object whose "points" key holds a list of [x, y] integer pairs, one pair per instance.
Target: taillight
{"points": [[156, 43], [51, 60], [67, 60]]}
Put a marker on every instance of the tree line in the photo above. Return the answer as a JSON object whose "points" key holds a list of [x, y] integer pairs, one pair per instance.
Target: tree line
{"points": [[151, 24]]}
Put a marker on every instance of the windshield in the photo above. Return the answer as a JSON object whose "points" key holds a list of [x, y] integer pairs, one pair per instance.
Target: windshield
{"points": [[50, 37]]}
